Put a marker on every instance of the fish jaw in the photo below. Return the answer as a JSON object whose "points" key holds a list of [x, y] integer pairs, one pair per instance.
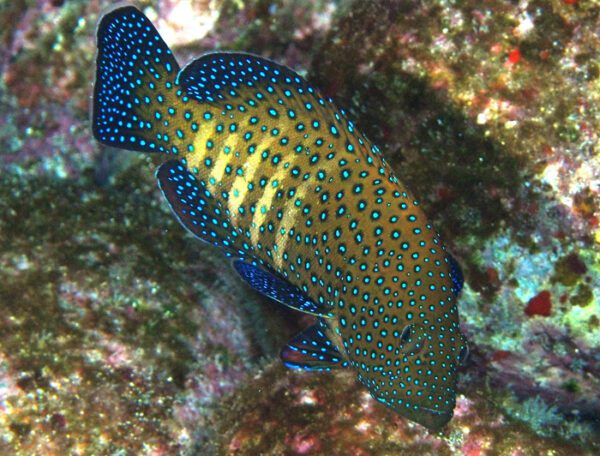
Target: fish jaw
{"points": [[434, 420], [431, 419]]}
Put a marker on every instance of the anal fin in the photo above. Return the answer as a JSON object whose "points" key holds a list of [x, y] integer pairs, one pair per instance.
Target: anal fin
{"points": [[276, 287]]}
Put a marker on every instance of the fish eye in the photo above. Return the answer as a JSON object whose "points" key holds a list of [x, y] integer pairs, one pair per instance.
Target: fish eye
{"points": [[409, 342], [464, 353], [405, 335]]}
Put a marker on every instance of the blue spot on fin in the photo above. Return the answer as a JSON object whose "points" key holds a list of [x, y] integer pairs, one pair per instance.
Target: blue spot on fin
{"points": [[134, 67], [313, 351], [196, 209], [456, 275], [276, 287], [228, 75]]}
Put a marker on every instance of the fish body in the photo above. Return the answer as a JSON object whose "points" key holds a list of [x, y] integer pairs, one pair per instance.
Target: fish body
{"points": [[264, 167]]}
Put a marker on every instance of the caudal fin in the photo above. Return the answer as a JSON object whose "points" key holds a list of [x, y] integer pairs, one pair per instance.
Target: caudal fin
{"points": [[135, 76]]}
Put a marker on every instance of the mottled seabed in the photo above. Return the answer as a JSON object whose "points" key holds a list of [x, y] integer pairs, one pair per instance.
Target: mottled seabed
{"points": [[119, 334]]}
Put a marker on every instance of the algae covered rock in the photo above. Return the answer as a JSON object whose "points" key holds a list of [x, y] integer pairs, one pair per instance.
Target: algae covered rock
{"points": [[120, 334]]}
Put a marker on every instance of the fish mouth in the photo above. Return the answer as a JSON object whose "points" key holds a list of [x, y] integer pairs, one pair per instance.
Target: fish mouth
{"points": [[433, 420]]}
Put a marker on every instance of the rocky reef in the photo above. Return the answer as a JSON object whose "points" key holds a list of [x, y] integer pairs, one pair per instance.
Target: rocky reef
{"points": [[120, 334]]}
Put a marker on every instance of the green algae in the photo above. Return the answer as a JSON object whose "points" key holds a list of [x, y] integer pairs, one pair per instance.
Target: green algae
{"points": [[571, 386], [569, 269], [583, 296], [546, 421]]}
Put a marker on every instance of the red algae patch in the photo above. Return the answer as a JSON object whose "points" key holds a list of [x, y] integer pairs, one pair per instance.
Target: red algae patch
{"points": [[540, 304]]}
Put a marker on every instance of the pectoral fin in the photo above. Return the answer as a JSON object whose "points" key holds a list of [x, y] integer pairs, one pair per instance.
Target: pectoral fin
{"points": [[312, 350]]}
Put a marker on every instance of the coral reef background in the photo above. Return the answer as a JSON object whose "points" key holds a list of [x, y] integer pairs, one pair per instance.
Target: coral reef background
{"points": [[120, 334]]}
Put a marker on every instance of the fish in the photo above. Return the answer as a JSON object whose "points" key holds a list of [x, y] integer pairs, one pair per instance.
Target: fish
{"points": [[259, 164]]}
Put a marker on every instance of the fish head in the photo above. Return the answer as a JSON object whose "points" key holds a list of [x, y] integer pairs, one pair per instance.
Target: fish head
{"points": [[419, 381]]}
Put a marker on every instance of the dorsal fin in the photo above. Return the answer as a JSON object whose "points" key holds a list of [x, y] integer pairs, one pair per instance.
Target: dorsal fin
{"points": [[271, 94], [224, 75]]}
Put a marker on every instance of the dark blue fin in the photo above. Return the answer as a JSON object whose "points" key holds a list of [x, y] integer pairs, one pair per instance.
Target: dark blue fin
{"points": [[135, 75], [225, 75], [275, 287], [312, 350], [197, 210], [456, 275]]}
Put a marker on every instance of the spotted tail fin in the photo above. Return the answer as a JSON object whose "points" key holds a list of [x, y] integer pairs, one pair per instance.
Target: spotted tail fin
{"points": [[135, 82]]}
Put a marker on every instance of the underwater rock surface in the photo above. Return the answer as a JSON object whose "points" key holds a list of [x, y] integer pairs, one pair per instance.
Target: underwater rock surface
{"points": [[120, 334], [319, 419]]}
